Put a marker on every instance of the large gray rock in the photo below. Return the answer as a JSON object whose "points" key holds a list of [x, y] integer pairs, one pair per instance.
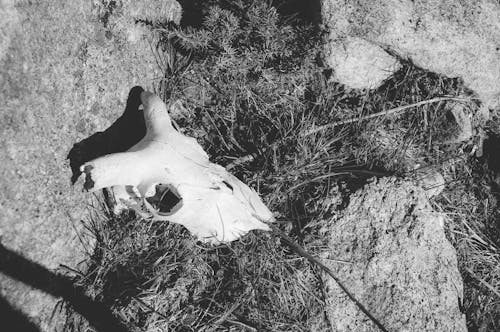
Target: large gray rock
{"points": [[390, 250], [64, 75], [451, 37]]}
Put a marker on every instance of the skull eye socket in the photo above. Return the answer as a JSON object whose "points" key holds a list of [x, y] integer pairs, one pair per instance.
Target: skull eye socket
{"points": [[166, 200]]}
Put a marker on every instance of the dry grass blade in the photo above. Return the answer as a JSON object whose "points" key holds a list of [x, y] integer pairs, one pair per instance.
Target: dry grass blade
{"points": [[483, 282], [385, 113], [228, 313]]}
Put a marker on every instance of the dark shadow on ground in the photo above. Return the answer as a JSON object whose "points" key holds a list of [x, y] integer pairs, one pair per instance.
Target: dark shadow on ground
{"points": [[30, 273], [307, 11], [192, 14], [490, 150], [15, 319]]}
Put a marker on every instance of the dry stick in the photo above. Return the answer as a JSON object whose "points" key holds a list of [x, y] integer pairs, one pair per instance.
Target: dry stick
{"points": [[299, 250], [388, 112]]}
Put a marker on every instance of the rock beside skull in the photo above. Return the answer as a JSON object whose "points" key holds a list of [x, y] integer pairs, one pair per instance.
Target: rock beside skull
{"points": [[390, 250], [454, 38]]}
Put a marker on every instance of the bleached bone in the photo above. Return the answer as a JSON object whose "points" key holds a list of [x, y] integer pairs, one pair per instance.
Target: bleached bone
{"points": [[177, 182]]}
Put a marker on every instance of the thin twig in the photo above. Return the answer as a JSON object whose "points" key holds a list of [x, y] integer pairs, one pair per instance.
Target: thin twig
{"points": [[246, 326], [386, 113]]}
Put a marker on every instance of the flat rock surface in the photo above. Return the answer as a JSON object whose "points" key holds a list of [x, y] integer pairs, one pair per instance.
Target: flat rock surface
{"points": [[65, 73], [390, 250]]}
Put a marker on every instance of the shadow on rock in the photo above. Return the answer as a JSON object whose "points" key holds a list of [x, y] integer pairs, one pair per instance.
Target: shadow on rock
{"points": [[17, 267], [124, 133], [16, 319]]}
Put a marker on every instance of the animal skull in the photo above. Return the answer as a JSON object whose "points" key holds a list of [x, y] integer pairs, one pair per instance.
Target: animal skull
{"points": [[170, 176]]}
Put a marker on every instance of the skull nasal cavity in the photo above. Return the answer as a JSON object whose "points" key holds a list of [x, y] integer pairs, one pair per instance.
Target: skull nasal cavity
{"points": [[166, 200]]}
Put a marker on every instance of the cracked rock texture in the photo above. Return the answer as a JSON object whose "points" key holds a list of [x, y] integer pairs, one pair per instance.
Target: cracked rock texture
{"points": [[452, 37], [65, 73], [390, 250]]}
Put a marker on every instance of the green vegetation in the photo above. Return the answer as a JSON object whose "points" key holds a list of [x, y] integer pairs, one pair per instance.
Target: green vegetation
{"points": [[254, 86]]}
